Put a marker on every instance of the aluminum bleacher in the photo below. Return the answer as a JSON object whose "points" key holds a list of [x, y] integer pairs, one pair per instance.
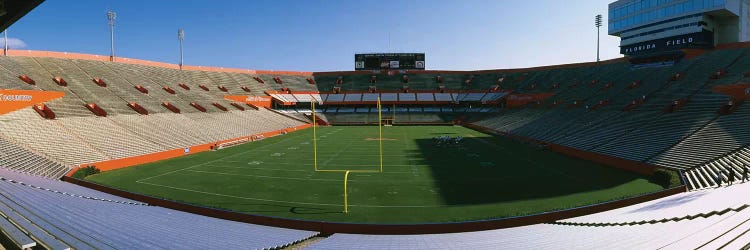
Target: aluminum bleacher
{"points": [[353, 97], [711, 219], [425, 97], [370, 97], [443, 97], [407, 97], [389, 97], [334, 98], [55, 219]]}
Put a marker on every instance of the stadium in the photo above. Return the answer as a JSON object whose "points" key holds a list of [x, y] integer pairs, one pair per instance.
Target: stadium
{"points": [[649, 150]]}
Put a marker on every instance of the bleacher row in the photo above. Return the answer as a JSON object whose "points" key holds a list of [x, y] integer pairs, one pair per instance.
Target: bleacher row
{"points": [[706, 219], [121, 81], [723, 171], [33, 216], [389, 97], [678, 137], [51, 147], [70, 141]]}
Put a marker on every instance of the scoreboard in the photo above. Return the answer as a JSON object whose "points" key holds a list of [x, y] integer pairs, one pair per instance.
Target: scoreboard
{"points": [[381, 61]]}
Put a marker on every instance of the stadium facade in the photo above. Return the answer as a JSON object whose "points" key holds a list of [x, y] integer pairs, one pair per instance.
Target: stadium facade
{"points": [[648, 27]]}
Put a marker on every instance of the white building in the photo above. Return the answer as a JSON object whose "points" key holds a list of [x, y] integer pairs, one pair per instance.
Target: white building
{"points": [[651, 26]]}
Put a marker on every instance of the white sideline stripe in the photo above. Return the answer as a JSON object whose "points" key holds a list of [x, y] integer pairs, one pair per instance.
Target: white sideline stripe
{"points": [[269, 169], [298, 203], [265, 176], [304, 179], [309, 164]]}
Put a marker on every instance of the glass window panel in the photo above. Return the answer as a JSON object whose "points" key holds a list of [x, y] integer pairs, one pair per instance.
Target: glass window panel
{"points": [[698, 4]]}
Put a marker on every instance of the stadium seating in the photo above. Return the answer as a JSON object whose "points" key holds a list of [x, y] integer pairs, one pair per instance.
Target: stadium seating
{"points": [[60, 215], [733, 163], [585, 111], [21, 159], [609, 130], [78, 137], [710, 219]]}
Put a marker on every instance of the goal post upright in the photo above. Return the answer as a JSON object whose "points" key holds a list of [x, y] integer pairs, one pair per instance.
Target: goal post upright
{"points": [[380, 130], [346, 198], [315, 138]]}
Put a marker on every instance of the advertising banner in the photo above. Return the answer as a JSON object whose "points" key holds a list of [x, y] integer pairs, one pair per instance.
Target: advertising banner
{"points": [[384, 61], [14, 99], [688, 41]]}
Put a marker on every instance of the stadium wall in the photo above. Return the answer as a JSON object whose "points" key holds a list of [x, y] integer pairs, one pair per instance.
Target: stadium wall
{"points": [[383, 229], [159, 156]]}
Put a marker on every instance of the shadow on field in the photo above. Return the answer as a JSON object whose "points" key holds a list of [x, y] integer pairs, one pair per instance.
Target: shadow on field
{"points": [[497, 169]]}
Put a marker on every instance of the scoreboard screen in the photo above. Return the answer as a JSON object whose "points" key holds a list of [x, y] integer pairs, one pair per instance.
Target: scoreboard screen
{"points": [[381, 61]]}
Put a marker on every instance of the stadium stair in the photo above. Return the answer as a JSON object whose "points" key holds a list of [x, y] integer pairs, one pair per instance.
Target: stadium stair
{"points": [[733, 163]]}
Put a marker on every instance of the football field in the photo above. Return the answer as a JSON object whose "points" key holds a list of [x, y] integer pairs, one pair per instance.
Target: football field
{"points": [[482, 177]]}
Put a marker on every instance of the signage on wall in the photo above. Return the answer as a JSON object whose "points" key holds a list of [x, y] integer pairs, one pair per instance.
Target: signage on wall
{"points": [[701, 40], [13, 99], [387, 61]]}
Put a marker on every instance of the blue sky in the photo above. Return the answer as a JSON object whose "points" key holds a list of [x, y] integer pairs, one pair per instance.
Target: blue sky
{"points": [[318, 35]]}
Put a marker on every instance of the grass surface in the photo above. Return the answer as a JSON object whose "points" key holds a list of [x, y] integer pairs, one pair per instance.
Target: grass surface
{"points": [[485, 177]]}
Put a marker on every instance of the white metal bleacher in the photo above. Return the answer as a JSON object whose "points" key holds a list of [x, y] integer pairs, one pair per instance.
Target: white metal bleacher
{"points": [[389, 97], [303, 97], [407, 97], [370, 97], [53, 218], [335, 98], [443, 97], [707, 219], [425, 97], [353, 97]]}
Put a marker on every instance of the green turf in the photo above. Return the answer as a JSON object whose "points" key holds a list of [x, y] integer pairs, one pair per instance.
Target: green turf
{"points": [[486, 177]]}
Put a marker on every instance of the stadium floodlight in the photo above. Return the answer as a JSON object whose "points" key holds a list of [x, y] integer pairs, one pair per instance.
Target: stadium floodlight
{"points": [[111, 16], [5, 47], [180, 36], [598, 23]]}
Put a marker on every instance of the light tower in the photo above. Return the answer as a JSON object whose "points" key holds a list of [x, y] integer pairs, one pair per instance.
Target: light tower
{"points": [[111, 15], [5, 46], [598, 23], [180, 37]]}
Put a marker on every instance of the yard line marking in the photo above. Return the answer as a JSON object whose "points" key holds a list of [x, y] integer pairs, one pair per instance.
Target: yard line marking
{"points": [[201, 164], [297, 203], [224, 173], [353, 165], [348, 145], [263, 176], [270, 169]]}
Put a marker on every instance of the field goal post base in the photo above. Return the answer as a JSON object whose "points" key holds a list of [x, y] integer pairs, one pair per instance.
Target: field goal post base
{"points": [[381, 122]]}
